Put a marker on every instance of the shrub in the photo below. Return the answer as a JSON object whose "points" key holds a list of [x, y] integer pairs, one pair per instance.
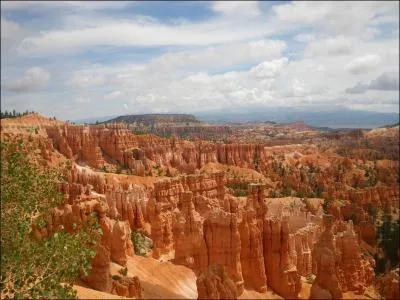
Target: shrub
{"points": [[123, 271], [141, 243], [116, 277]]}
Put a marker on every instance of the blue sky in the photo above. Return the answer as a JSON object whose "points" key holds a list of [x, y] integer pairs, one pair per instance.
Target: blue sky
{"points": [[86, 59]]}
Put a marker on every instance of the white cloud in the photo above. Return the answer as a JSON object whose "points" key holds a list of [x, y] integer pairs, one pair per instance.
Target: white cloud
{"points": [[82, 100], [347, 18], [236, 8], [11, 35], [221, 56], [363, 64], [304, 37], [269, 68], [332, 46], [385, 82], [32, 79], [143, 32], [113, 95], [224, 60], [42, 5], [82, 80]]}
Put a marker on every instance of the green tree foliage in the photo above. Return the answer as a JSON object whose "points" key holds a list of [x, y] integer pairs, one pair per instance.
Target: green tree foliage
{"points": [[286, 191], [327, 203], [14, 114], [141, 243], [240, 189], [388, 237], [32, 268]]}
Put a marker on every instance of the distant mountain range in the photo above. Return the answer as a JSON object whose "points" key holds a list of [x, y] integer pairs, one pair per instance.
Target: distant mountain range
{"points": [[341, 118], [155, 118]]}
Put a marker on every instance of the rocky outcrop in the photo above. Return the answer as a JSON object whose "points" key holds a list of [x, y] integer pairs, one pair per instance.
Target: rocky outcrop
{"points": [[214, 283], [355, 271], [80, 142], [222, 238], [128, 287], [251, 235], [167, 196], [389, 284], [304, 239], [326, 284], [189, 242], [281, 272], [113, 245]]}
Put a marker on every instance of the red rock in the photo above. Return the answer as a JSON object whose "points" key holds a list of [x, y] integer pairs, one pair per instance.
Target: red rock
{"points": [[326, 283], [215, 283]]}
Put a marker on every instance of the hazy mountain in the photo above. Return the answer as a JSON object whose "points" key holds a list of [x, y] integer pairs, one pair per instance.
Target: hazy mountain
{"points": [[340, 118], [92, 120], [343, 118]]}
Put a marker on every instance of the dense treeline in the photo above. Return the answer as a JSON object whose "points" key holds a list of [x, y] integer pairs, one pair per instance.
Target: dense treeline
{"points": [[14, 114]]}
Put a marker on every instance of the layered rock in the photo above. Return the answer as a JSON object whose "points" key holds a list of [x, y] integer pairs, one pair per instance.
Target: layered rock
{"points": [[223, 244], [251, 235], [281, 271], [214, 283], [128, 287], [355, 271], [326, 284], [389, 285], [114, 245], [189, 242], [167, 195]]}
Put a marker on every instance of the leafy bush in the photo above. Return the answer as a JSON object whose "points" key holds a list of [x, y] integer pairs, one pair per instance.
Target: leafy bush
{"points": [[388, 236], [286, 191], [123, 271], [31, 268], [116, 277], [240, 189], [141, 243]]}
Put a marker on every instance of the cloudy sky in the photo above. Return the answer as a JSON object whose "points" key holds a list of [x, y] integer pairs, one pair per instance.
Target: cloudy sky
{"points": [[78, 59]]}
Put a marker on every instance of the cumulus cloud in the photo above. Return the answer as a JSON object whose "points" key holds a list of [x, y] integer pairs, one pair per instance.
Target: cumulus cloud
{"points": [[113, 95], [359, 88], [80, 80], [332, 46], [11, 35], [221, 56], [363, 64], [385, 82], [32, 79], [225, 59], [269, 69]]}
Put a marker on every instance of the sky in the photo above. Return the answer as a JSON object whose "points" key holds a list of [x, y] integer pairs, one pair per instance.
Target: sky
{"points": [[77, 60]]}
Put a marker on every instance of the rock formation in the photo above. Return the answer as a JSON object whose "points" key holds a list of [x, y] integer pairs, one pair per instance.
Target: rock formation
{"points": [[214, 283], [189, 242], [281, 271], [326, 284], [355, 271]]}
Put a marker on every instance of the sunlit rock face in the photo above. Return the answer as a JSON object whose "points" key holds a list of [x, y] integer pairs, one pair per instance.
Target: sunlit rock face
{"points": [[181, 195]]}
